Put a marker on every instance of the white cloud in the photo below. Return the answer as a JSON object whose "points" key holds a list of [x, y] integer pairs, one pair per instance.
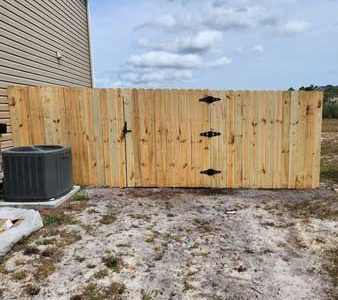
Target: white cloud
{"points": [[216, 18], [192, 37], [221, 62], [162, 59], [257, 49], [294, 27], [200, 42], [166, 21], [237, 18], [155, 76]]}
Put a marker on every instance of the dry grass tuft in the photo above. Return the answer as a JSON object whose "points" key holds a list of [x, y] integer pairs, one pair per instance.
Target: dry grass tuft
{"points": [[31, 250], [148, 295], [331, 266], [113, 263], [68, 238], [32, 289], [44, 269], [20, 275], [93, 292], [107, 219], [323, 208], [101, 274]]}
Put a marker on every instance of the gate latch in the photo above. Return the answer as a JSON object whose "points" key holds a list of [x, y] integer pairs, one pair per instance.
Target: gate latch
{"points": [[210, 172], [3, 128], [125, 130], [209, 99], [210, 134]]}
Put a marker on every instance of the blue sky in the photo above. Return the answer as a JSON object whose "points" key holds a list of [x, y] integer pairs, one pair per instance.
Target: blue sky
{"points": [[223, 44]]}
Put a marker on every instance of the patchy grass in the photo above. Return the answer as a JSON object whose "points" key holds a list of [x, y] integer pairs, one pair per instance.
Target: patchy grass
{"points": [[216, 297], [32, 289], [89, 229], [203, 225], [20, 262], [2, 266], [94, 292], [45, 265], [330, 125], [150, 239], [116, 288], [171, 238], [46, 242], [52, 252], [329, 173], [80, 197], [331, 266], [57, 219], [323, 208], [76, 206], [101, 274], [45, 268], [113, 263], [53, 235], [69, 237], [107, 219], [92, 211], [329, 152], [148, 295], [20, 275], [204, 254], [194, 240], [31, 250]]}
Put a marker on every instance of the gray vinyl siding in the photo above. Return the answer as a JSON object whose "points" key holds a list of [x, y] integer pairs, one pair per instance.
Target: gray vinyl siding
{"points": [[31, 32]]}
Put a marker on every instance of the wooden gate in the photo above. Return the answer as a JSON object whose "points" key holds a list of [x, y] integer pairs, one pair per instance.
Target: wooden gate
{"points": [[165, 147], [176, 138]]}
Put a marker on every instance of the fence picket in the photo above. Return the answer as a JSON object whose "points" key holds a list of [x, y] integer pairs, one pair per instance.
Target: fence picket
{"points": [[267, 139]]}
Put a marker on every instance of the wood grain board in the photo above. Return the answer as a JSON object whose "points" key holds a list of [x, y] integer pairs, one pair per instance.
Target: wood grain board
{"points": [[267, 139]]}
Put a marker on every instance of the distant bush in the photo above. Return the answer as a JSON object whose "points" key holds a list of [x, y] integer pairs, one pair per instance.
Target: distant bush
{"points": [[330, 107]]}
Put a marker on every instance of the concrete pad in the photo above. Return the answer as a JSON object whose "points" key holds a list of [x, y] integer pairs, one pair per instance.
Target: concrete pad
{"points": [[52, 203]]}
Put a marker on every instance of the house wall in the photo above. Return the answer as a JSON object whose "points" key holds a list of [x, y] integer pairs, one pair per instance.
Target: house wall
{"points": [[31, 34]]}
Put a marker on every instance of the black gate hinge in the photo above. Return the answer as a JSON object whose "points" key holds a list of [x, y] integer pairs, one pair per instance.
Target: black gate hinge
{"points": [[210, 172], [209, 99], [210, 134]]}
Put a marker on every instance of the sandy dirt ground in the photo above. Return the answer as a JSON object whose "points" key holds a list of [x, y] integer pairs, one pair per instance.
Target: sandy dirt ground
{"points": [[180, 244]]}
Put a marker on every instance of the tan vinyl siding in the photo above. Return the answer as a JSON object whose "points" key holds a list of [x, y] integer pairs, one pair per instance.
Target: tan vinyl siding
{"points": [[46, 37], [35, 14], [34, 52], [31, 32], [60, 20]]}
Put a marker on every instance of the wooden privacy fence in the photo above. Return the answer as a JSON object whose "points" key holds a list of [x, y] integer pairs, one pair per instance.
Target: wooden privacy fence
{"points": [[176, 138]]}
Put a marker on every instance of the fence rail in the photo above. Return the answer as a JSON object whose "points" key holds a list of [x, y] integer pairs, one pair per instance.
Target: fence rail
{"points": [[256, 139]]}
